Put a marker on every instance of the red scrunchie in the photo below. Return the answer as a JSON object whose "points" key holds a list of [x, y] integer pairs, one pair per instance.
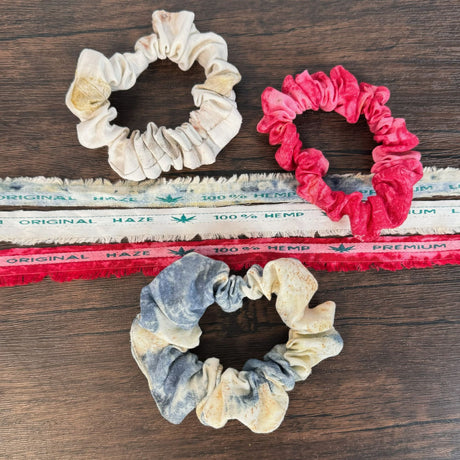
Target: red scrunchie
{"points": [[397, 168]]}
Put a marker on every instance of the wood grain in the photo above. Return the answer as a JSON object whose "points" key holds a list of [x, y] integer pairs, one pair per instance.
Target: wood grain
{"points": [[69, 387]]}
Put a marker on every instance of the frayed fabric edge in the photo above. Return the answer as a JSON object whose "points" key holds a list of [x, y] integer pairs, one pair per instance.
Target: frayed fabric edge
{"points": [[20, 266], [216, 236]]}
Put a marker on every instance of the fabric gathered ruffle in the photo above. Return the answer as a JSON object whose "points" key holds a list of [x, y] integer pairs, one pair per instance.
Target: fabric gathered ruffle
{"points": [[148, 154], [397, 167], [167, 327]]}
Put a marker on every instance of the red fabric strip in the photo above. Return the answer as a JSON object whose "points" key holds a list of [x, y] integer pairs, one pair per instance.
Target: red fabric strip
{"points": [[66, 263]]}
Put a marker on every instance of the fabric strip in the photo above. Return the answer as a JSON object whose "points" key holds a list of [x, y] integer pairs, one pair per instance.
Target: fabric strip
{"points": [[204, 192], [65, 263], [263, 221]]}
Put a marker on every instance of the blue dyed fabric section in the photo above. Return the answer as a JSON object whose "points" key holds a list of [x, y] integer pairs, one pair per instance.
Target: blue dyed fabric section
{"points": [[170, 372], [185, 289], [274, 367], [182, 292]]}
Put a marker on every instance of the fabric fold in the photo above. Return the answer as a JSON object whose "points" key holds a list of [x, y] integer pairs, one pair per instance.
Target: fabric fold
{"points": [[397, 167], [167, 327], [209, 129]]}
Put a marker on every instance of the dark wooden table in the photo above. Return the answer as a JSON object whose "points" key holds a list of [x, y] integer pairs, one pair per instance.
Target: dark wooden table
{"points": [[69, 387]]}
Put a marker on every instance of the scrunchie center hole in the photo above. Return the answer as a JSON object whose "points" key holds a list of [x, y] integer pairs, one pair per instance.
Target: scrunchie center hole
{"points": [[348, 147], [250, 332], [162, 94]]}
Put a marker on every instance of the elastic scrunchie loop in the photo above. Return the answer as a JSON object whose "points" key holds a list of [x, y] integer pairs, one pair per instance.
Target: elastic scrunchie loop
{"points": [[397, 168], [167, 326], [192, 144]]}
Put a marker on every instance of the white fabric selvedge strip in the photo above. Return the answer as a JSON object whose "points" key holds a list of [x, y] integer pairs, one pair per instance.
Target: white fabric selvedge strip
{"points": [[288, 219], [195, 191]]}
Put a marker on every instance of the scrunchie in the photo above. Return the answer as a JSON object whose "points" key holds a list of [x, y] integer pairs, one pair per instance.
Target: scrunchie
{"points": [[192, 144], [167, 326], [396, 167]]}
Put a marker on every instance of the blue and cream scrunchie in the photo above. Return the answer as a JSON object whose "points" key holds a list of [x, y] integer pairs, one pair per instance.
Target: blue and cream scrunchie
{"points": [[167, 327]]}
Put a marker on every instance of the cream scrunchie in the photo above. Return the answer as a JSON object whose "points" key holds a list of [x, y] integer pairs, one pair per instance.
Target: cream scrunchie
{"points": [[167, 327], [192, 144]]}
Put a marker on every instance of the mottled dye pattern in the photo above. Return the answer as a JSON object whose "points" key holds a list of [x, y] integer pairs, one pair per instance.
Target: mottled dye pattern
{"points": [[171, 307], [172, 391], [198, 282], [397, 167], [274, 367], [138, 155]]}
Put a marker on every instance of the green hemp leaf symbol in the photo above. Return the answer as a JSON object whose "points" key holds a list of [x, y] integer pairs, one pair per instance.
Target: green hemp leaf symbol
{"points": [[181, 252], [169, 199], [342, 248], [183, 218]]}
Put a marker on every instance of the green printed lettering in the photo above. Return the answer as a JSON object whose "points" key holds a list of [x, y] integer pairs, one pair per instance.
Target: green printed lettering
{"points": [[298, 248], [292, 214], [423, 211], [141, 253], [262, 195], [442, 245], [113, 198], [133, 219]]}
